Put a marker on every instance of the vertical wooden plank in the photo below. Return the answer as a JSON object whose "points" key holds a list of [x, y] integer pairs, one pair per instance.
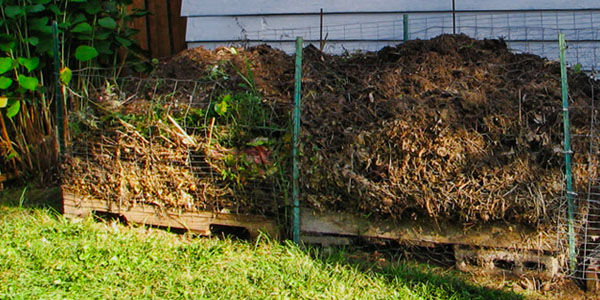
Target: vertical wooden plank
{"points": [[178, 27], [140, 24], [158, 24], [163, 31]]}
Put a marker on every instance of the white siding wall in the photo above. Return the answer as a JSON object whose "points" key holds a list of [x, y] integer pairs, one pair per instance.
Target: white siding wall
{"points": [[354, 25], [264, 7]]}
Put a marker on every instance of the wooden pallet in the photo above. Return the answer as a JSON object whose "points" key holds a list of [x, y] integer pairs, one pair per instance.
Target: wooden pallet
{"points": [[491, 248], [591, 279], [198, 222], [500, 261]]}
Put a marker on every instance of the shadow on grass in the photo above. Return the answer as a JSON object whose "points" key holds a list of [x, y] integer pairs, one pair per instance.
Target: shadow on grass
{"points": [[445, 285], [420, 278], [48, 198]]}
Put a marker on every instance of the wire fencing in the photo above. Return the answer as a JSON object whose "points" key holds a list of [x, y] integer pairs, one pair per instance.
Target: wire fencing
{"points": [[586, 178], [525, 31], [181, 145]]}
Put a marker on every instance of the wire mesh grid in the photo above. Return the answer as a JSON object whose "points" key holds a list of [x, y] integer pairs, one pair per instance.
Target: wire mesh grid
{"points": [[181, 145], [586, 178], [509, 25], [401, 138], [531, 32]]}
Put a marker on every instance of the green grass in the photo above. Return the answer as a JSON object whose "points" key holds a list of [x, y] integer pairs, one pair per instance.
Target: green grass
{"points": [[45, 256]]}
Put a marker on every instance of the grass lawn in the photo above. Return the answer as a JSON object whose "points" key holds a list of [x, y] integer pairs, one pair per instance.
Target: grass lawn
{"points": [[45, 256]]}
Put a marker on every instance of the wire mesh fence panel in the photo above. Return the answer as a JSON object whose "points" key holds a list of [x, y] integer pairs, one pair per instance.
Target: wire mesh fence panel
{"points": [[453, 130], [525, 31], [213, 144], [586, 142]]}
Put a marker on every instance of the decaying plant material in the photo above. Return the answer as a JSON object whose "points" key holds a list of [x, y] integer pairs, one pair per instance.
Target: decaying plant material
{"points": [[169, 144], [452, 128]]}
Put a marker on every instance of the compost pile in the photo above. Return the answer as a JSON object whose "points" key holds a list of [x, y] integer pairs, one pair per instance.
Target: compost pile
{"points": [[214, 143], [451, 128]]}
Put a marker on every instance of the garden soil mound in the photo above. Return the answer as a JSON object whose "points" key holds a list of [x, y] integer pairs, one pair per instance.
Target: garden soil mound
{"points": [[452, 128]]}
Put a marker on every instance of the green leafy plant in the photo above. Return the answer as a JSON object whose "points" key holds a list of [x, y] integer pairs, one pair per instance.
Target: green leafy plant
{"points": [[93, 35], [250, 124], [241, 111]]}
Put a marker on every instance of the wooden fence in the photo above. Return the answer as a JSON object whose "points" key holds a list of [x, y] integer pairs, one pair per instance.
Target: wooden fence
{"points": [[162, 32]]}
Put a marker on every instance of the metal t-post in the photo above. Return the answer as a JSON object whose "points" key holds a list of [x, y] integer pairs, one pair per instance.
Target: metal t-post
{"points": [[567, 150], [296, 141]]}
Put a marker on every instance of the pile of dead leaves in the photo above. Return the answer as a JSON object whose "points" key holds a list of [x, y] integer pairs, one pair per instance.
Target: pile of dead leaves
{"points": [[452, 128]]}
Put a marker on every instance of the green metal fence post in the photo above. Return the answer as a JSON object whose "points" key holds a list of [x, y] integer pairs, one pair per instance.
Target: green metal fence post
{"points": [[60, 130], [567, 138], [296, 141], [405, 26]]}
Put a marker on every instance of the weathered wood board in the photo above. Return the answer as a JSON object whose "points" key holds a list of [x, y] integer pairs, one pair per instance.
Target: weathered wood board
{"points": [[427, 232], [197, 222], [497, 262]]}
